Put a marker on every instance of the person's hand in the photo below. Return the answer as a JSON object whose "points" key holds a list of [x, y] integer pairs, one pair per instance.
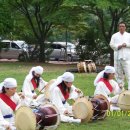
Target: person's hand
{"points": [[78, 90], [124, 45], [121, 86], [119, 47], [34, 96], [21, 95], [7, 127], [80, 93], [66, 112]]}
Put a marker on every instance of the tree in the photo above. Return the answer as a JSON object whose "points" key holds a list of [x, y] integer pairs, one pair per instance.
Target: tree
{"points": [[109, 14], [6, 22], [38, 15]]}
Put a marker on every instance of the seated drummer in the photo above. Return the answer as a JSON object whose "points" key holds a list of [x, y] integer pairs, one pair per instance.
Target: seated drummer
{"points": [[62, 90], [32, 82], [9, 101], [106, 85]]}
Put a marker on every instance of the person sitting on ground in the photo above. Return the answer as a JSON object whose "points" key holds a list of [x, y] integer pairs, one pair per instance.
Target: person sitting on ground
{"points": [[32, 82], [62, 90], [9, 102], [106, 85]]}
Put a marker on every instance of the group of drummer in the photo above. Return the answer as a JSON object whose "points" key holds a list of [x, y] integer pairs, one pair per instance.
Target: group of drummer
{"points": [[57, 91]]}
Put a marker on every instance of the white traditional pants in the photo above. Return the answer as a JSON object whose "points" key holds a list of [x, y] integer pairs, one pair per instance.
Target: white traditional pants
{"points": [[122, 67]]}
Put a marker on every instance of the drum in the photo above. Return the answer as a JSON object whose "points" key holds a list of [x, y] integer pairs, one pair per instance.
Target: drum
{"points": [[44, 117], [89, 109], [100, 107], [89, 67], [83, 109], [81, 67], [124, 100], [93, 67]]}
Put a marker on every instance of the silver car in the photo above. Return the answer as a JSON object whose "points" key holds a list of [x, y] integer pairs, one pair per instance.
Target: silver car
{"points": [[13, 50], [58, 52]]}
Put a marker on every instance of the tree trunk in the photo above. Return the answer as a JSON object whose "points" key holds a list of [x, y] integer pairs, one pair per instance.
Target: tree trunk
{"points": [[42, 57], [111, 57]]}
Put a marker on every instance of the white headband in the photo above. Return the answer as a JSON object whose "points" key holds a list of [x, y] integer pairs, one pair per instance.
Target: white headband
{"points": [[68, 77], [109, 69], [10, 83], [38, 70]]}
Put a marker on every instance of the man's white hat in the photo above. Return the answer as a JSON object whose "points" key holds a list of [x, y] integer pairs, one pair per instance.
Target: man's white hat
{"points": [[109, 69], [68, 77], [10, 83], [38, 70]]}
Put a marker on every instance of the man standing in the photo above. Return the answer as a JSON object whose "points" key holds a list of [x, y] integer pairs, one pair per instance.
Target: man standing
{"points": [[120, 43]]}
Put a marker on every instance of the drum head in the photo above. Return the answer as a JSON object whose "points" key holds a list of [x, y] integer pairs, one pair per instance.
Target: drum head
{"points": [[124, 100], [81, 67], [83, 109], [93, 67], [46, 92], [25, 119], [89, 66]]}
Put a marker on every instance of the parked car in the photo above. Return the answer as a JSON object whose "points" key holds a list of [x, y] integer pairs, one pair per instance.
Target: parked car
{"points": [[14, 50], [59, 51]]}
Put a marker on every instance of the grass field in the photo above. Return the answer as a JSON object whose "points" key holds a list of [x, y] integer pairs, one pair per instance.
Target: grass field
{"points": [[84, 81]]}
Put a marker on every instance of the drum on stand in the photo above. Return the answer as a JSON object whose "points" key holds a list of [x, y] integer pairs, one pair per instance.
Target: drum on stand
{"points": [[124, 100], [89, 109], [45, 117], [81, 67]]}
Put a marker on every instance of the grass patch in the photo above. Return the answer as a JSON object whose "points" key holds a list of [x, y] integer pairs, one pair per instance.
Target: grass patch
{"points": [[84, 81]]}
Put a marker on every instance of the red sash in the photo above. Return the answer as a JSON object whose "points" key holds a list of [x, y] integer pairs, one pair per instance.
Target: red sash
{"points": [[8, 101], [34, 83], [65, 94], [106, 82]]}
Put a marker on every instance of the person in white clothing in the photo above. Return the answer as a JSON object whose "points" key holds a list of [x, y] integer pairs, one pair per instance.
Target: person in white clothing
{"points": [[32, 82], [106, 85], [120, 43], [9, 102], [62, 90], [98, 77]]}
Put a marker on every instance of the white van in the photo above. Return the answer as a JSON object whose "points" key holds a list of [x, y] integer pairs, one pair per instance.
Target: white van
{"points": [[14, 50]]}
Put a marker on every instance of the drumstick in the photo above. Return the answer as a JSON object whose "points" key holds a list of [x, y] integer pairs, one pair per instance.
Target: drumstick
{"points": [[41, 90], [48, 84]]}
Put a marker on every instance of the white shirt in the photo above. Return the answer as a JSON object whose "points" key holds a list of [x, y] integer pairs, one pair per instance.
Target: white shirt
{"points": [[57, 97], [101, 88], [118, 39], [98, 77], [6, 110], [28, 86]]}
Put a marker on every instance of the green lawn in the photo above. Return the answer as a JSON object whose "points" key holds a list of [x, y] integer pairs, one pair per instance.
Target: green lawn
{"points": [[84, 81]]}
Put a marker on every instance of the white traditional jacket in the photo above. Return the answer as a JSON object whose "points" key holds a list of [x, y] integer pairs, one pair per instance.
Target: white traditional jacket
{"points": [[7, 114], [28, 88], [101, 88], [57, 98], [118, 39]]}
